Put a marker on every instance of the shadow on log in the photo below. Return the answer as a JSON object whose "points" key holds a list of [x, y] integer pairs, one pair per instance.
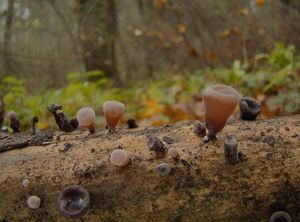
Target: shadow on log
{"points": [[202, 186]]}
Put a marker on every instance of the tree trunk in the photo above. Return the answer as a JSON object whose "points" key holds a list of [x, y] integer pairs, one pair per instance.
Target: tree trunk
{"points": [[201, 187], [7, 38], [2, 110], [97, 32]]}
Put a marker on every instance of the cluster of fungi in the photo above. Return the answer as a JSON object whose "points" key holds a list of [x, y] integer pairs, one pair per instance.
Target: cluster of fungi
{"points": [[220, 101]]}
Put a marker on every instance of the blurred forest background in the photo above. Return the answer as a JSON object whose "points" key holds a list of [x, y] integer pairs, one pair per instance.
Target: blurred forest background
{"points": [[156, 56]]}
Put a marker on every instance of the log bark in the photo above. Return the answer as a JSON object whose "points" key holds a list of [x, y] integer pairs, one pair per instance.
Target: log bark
{"points": [[201, 187]]}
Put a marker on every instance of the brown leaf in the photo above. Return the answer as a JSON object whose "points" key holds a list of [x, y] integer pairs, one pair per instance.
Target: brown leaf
{"points": [[209, 55], [226, 33], [192, 52], [181, 28], [260, 2], [244, 11], [177, 39], [160, 4]]}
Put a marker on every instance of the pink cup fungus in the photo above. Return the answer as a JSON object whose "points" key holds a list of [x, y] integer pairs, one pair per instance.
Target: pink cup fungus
{"points": [[34, 202], [113, 111], [172, 151], [86, 118], [119, 158], [219, 101]]}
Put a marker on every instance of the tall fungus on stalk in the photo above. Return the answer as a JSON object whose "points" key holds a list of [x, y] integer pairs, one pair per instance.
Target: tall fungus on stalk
{"points": [[113, 111], [219, 102]]}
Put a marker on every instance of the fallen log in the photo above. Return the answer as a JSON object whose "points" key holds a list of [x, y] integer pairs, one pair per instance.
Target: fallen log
{"points": [[202, 186]]}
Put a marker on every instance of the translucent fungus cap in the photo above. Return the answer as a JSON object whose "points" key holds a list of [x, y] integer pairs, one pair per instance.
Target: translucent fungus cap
{"points": [[25, 183], [113, 111], [86, 117], [11, 115], [219, 102], [119, 157], [172, 151], [73, 201], [34, 202]]}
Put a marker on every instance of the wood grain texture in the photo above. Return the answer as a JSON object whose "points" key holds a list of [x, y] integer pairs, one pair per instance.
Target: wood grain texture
{"points": [[201, 187]]}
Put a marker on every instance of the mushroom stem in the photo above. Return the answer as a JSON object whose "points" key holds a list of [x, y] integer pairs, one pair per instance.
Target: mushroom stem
{"points": [[209, 137], [15, 125], [230, 149], [92, 129], [34, 120]]}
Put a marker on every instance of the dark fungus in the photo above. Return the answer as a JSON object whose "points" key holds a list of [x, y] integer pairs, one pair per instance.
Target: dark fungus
{"points": [[199, 128], [14, 122], [60, 118], [163, 169], [156, 145], [131, 123], [249, 108], [74, 123], [280, 216], [73, 201], [230, 149], [34, 120]]}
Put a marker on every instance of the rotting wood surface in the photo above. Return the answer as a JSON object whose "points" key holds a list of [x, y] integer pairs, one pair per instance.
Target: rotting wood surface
{"points": [[201, 187]]}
